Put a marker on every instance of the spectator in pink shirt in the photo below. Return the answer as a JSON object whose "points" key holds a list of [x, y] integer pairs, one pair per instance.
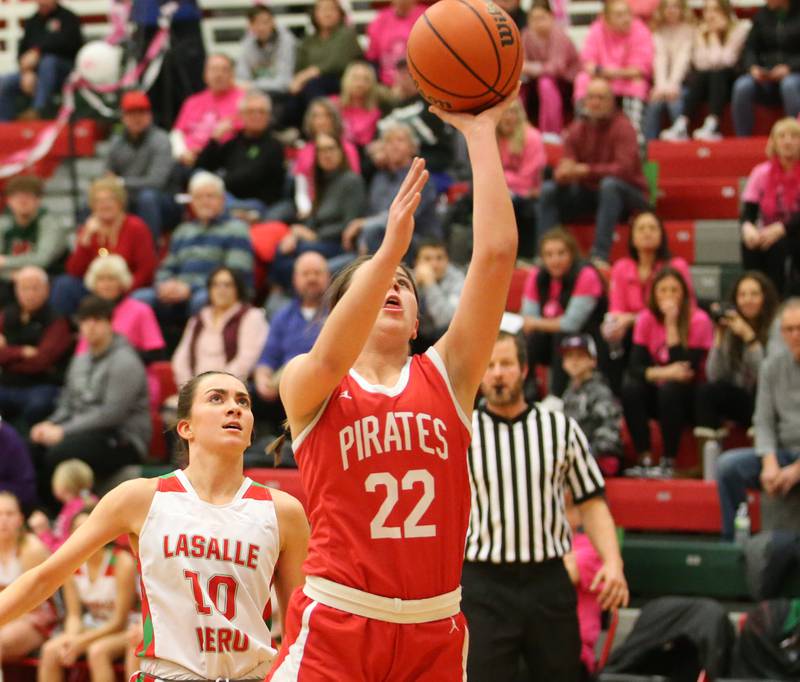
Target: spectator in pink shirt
{"points": [[565, 296], [322, 118], [523, 157], [388, 34], [632, 276], [619, 47], [551, 64], [212, 113], [358, 104], [109, 278], [671, 339], [582, 563]]}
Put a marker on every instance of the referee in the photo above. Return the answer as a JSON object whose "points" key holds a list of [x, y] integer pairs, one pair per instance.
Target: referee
{"points": [[517, 596]]}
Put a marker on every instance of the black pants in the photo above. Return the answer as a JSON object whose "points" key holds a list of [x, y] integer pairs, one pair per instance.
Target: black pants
{"points": [[720, 400], [713, 87], [671, 403], [102, 449], [521, 611], [543, 349], [525, 214], [771, 262]]}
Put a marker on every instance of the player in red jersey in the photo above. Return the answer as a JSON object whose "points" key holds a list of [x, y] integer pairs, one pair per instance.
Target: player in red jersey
{"points": [[381, 441]]}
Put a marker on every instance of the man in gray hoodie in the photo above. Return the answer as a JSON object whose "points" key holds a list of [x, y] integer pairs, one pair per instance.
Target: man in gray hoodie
{"points": [[774, 463], [103, 412]]}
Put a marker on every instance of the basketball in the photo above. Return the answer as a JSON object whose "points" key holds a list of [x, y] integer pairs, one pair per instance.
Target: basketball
{"points": [[464, 55]]}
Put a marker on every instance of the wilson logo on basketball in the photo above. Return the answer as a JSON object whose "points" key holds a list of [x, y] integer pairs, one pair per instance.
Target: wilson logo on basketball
{"points": [[464, 55]]}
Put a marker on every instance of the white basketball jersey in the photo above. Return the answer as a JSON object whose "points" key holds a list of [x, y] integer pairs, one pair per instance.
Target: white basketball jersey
{"points": [[206, 572], [98, 596]]}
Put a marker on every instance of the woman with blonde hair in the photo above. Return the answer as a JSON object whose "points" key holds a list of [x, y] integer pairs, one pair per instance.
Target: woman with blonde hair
{"points": [[523, 157], [358, 104], [770, 215], [109, 229], [19, 552], [673, 35], [718, 42]]}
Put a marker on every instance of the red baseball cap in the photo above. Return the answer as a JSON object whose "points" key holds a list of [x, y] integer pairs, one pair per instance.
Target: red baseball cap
{"points": [[135, 100]]}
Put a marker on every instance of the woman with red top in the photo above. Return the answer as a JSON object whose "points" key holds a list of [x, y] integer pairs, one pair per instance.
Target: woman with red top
{"points": [[565, 296], [671, 339], [523, 157], [108, 230]]}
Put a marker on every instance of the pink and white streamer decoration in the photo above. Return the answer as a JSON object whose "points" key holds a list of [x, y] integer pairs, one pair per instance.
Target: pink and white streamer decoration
{"points": [[142, 74]]}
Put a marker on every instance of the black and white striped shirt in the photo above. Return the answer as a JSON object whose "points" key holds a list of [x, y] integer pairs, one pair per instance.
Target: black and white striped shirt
{"points": [[518, 469]]}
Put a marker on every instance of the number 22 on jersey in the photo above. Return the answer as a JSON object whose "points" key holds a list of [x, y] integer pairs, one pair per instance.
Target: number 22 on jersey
{"points": [[390, 485]]}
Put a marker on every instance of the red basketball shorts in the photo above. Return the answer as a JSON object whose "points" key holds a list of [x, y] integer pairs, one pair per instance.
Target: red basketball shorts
{"points": [[322, 643]]}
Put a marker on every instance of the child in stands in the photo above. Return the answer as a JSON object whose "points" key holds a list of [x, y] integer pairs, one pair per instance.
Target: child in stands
{"points": [[590, 402], [99, 600], [72, 486]]}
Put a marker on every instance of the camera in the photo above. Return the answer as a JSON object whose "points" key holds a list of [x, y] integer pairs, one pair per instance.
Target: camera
{"points": [[719, 311]]}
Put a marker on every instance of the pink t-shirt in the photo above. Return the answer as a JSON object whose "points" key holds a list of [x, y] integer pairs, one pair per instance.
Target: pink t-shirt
{"points": [[388, 35], [57, 536], [587, 283], [589, 611], [651, 334], [784, 202], [628, 294], [523, 170], [201, 113], [360, 124]]}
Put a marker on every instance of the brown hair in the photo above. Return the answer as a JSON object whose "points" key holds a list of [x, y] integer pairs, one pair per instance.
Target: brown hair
{"points": [[559, 234], [519, 345], [683, 314], [186, 396], [341, 283], [23, 531], [75, 475], [25, 184], [110, 185], [687, 16], [787, 124]]}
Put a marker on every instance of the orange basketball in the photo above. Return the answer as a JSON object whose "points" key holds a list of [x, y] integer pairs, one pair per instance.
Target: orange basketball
{"points": [[464, 55]]}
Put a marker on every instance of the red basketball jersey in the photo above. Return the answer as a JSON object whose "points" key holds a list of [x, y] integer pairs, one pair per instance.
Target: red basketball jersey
{"points": [[386, 477]]}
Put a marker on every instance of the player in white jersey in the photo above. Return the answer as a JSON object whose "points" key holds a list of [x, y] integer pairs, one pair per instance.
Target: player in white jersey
{"points": [[209, 542], [99, 599], [20, 551]]}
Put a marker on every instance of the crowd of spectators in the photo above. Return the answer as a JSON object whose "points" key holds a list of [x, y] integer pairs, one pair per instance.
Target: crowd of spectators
{"points": [[234, 188]]}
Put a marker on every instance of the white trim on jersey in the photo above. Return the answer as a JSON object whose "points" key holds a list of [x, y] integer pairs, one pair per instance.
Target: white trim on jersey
{"points": [[391, 391], [289, 668], [437, 361], [297, 442], [246, 483]]}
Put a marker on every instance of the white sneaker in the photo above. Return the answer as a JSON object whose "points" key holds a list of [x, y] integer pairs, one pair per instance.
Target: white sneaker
{"points": [[675, 133], [708, 132]]}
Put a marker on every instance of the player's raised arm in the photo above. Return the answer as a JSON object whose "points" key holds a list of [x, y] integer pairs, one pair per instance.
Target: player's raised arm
{"points": [[468, 342], [121, 511], [308, 379]]}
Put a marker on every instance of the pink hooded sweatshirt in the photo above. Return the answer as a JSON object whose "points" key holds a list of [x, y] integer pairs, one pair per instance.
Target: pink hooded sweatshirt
{"points": [[611, 50]]}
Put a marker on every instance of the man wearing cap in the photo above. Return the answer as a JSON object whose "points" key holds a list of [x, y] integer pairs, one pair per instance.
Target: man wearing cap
{"points": [[589, 401], [518, 597], [103, 412], [140, 157]]}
